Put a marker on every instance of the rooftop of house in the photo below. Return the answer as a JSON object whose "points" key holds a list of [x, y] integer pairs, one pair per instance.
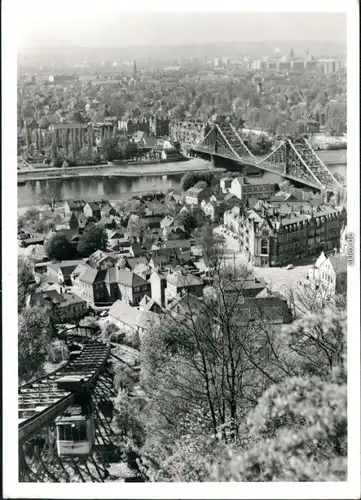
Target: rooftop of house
{"points": [[132, 316], [195, 191], [66, 266], [94, 205], [339, 263], [106, 209], [230, 196], [167, 221], [177, 244], [183, 280], [124, 277], [284, 197], [46, 298], [71, 299], [75, 204], [133, 262]]}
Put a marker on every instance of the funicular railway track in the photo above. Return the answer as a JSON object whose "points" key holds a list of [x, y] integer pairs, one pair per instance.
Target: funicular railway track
{"points": [[45, 400]]}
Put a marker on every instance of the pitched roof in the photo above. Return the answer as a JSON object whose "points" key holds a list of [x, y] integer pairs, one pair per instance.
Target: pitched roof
{"points": [[128, 278], [194, 191], [230, 196], [131, 316], [75, 204], [339, 263], [180, 279], [94, 205], [124, 313], [71, 299], [66, 266], [167, 221], [135, 261], [45, 298], [177, 244]]}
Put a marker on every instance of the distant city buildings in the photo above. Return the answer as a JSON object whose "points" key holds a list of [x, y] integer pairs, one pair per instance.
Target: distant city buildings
{"points": [[63, 79]]}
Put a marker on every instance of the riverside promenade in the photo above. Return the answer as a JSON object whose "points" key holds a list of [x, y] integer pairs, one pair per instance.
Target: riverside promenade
{"points": [[113, 170]]}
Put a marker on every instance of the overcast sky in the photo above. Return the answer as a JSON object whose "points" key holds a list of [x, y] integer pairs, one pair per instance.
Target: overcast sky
{"points": [[63, 26]]}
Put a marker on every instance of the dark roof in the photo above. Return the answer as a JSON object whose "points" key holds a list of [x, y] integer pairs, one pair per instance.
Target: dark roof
{"points": [[271, 309], [66, 266], [181, 280], [45, 298], [75, 205], [94, 205], [107, 208], [177, 244], [70, 299], [134, 261], [231, 196], [89, 276], [128, 278], [339, 263], [137, 248]]}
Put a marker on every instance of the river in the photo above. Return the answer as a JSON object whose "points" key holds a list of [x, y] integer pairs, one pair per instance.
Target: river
{"points": [[114, 188]]}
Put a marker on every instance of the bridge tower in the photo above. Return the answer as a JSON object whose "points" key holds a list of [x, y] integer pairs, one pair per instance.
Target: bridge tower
{"points": [[286, 164], [213, 156]]}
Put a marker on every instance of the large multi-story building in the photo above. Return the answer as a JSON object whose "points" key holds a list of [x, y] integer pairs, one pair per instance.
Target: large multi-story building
{"points": [[267, 238], [187, 132], [331, 65], [245, 191], [159, 126], [63, 79]]}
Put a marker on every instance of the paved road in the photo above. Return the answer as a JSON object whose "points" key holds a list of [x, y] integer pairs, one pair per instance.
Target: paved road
{"points": [[279, 278]]}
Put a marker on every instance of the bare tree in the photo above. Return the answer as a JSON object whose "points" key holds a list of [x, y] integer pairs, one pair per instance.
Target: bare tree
{"points": [[50, 196], [207, 357]]}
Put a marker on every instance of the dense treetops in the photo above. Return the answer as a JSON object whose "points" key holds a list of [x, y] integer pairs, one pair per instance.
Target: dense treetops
{"points": [[281, 106]]}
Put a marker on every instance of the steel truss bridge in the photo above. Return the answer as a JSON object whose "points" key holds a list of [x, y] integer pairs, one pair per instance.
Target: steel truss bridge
{"points": [[295, 160], [40, 402]]}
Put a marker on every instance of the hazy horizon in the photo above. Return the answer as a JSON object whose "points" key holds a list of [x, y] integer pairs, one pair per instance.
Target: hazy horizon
{"points": [[112, 30]]}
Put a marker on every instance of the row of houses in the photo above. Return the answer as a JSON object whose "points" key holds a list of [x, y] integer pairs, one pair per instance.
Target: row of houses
{"points": [[280, 230]]}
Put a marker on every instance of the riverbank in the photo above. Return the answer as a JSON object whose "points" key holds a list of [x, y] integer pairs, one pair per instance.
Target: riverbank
{"points": [[112, 170]]}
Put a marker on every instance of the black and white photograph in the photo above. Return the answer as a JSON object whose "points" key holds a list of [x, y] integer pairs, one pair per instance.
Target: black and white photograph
{"points": [[185, 184]]}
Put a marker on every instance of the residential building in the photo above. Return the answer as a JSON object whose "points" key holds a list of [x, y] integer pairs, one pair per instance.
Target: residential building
{"points": [[108, 211], [213, 210], [158, 284], [147, 304], [195, 195], [102, 260], [143, 140], [329, 274], [225, 184], [60, 272], [138, 265], [73, 206], [72, 235], [92, 209], [174, 246], [117, 239], [268, 310], [107, 285], [179, 282], [62, 307], [138, 321], [267, 239], [244, 190], [343, 241]]}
